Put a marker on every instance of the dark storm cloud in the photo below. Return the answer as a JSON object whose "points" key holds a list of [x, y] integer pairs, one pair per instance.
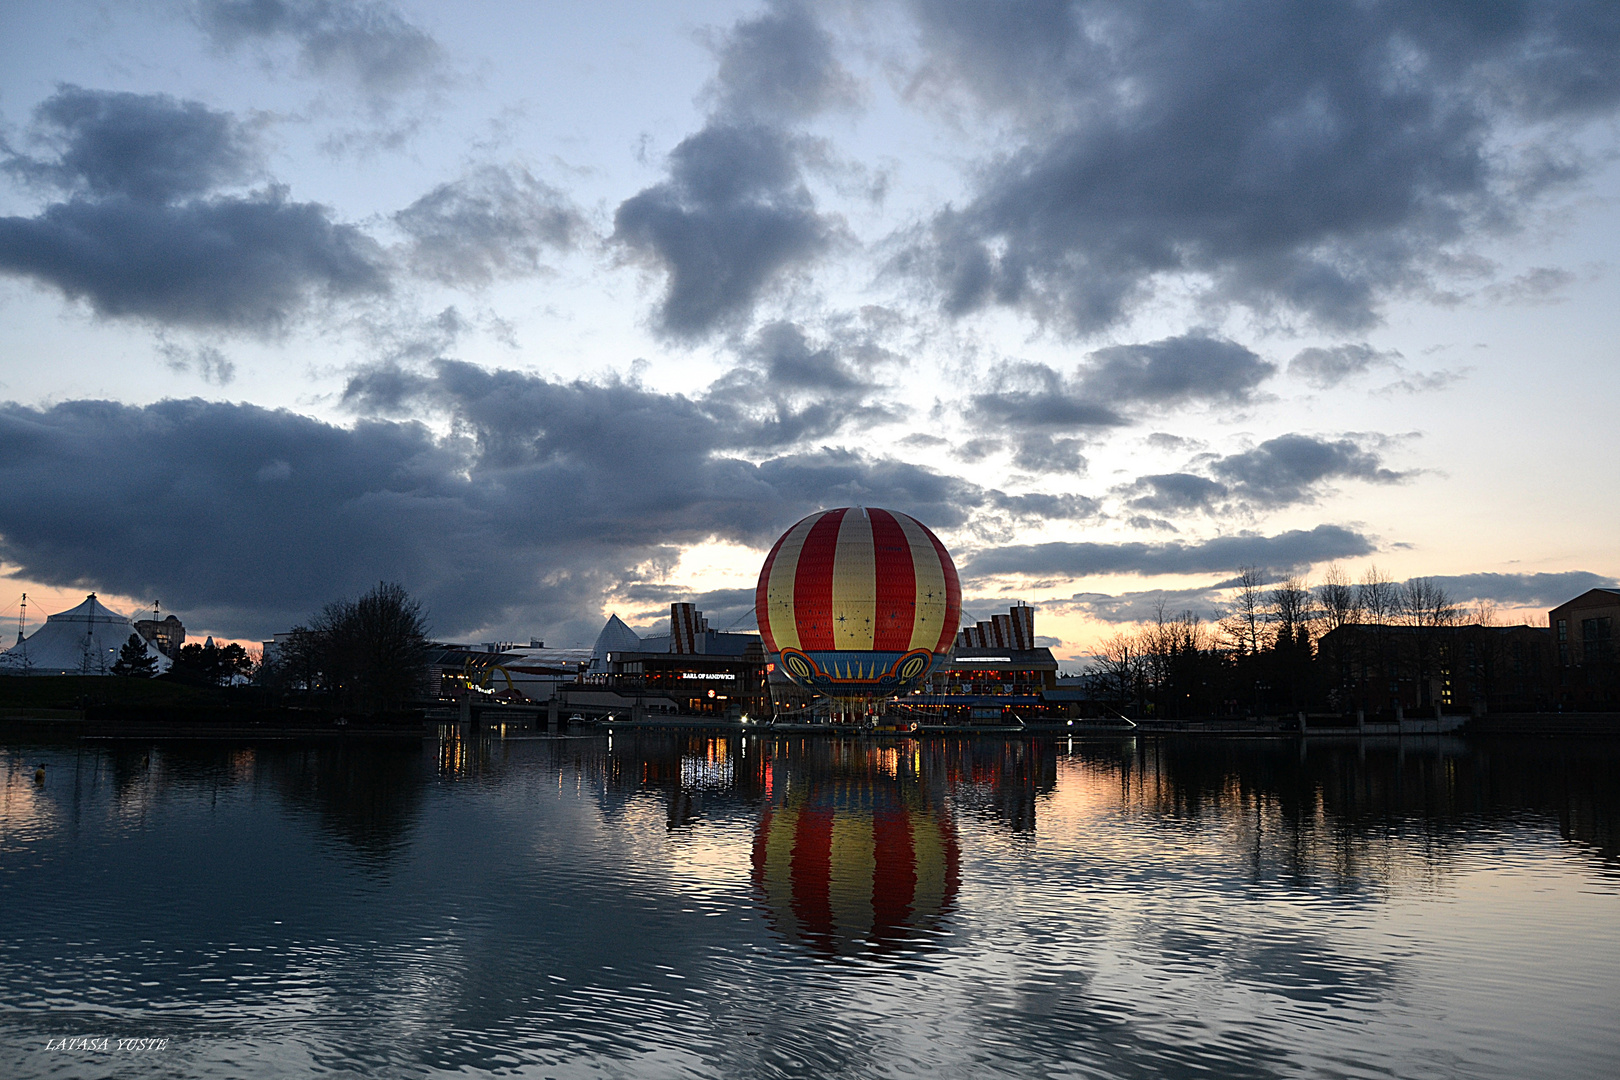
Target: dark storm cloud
{"points": [[1170, 493], [732, 218], [1027, 397], [1327, 368], [787, 388], [1192, 368], [367, 41], [1286, 470], [1295, 548], [547, 497], [147, 147], [493, 223], [1289, 468], [1040, 453], [1043, 415], [1042, 507], [789, 360], [780, 64], [1307, 158], [143, 234], [735, 217], [249, 262], [1179, 369]]}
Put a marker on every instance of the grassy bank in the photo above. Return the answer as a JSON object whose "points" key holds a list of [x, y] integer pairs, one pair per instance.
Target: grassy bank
{"points": [[20, 694]]}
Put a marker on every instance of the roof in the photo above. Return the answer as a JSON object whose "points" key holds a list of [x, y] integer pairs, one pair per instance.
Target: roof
{"points": [[1593, 598], [615, 637], [84, 640], [1000, 659]]}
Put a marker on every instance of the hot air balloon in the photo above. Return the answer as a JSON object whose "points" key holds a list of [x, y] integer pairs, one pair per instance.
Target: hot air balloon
{"points": [[858, 603]]}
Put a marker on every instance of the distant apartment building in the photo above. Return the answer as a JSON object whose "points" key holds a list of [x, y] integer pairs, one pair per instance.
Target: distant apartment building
{"points": [[1587, 672], [166, 635], [1379, 667]]}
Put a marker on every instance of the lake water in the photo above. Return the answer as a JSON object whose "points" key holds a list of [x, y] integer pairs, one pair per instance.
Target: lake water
{"points": [[679, 905]]}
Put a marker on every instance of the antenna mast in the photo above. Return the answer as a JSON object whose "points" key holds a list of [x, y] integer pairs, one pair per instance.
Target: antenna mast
{"points": [[22, 614]]}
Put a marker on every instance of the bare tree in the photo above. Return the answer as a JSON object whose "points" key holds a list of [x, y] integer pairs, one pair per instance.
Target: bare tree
{"points": [[1245, 625], [1290, 614], [1485, 650], [1290, 608], [1340, 606], [1377, 596], [1174, 652], [1426, 610], [370, 653], [1117, 666], [1339, 601]]}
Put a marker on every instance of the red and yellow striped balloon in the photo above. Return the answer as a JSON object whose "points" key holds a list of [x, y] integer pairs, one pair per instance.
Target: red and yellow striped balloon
{"points": [[858, 598]]}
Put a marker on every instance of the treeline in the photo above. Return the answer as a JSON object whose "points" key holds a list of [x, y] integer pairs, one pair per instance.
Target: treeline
{"points": [[1290, 646], [368, 654], [207, 664]]}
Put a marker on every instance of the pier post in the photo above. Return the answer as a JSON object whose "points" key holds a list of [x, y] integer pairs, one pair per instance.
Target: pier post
{"points": [[466, 709], [1361, 719], [551, 713]]}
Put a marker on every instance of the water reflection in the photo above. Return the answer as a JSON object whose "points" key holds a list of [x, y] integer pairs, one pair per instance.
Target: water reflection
{"points": [[367, 794], [855, 847], [690, 904]]}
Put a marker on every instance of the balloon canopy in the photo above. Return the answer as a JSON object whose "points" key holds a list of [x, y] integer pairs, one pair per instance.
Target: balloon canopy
{"points": [[858, 602]]}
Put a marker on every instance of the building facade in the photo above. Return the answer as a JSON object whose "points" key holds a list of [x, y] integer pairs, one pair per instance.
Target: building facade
{"points": [[1585, 658]]}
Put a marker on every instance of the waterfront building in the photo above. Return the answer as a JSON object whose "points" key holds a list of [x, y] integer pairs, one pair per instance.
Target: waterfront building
{"points": [[1382, 667], [518, 673], [1587, 663], [695, 670], [994, 674]]}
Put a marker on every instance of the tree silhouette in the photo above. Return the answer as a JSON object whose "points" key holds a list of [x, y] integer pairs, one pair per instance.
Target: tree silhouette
{"points": [[371, 652], [134, 661], [215, 664]]}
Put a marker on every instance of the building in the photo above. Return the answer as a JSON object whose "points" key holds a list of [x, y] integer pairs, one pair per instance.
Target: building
{"points": [[516, 673], [84, 640], [695, 670], [167, 636], [1014, 630], [994, 674], [1382, 667], [1585, 659]]}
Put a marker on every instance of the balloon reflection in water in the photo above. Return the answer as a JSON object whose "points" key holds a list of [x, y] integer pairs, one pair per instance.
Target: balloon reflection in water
{"points": [[857, 860]]}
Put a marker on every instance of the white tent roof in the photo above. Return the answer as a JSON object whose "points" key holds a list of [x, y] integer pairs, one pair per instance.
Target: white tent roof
{"points": [[81, 641]]}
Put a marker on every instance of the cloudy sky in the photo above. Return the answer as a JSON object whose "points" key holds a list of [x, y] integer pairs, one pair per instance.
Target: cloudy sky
{"points": [[548, 310]]}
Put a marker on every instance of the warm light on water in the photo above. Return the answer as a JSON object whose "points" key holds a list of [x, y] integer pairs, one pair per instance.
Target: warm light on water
{"points": [[692, 906]]}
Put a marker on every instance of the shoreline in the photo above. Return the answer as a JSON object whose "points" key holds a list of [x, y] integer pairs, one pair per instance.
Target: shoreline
{"points": [[107, 726]]}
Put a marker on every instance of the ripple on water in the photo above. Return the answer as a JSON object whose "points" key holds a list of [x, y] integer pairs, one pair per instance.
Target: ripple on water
{"points": [[678, 907]]}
